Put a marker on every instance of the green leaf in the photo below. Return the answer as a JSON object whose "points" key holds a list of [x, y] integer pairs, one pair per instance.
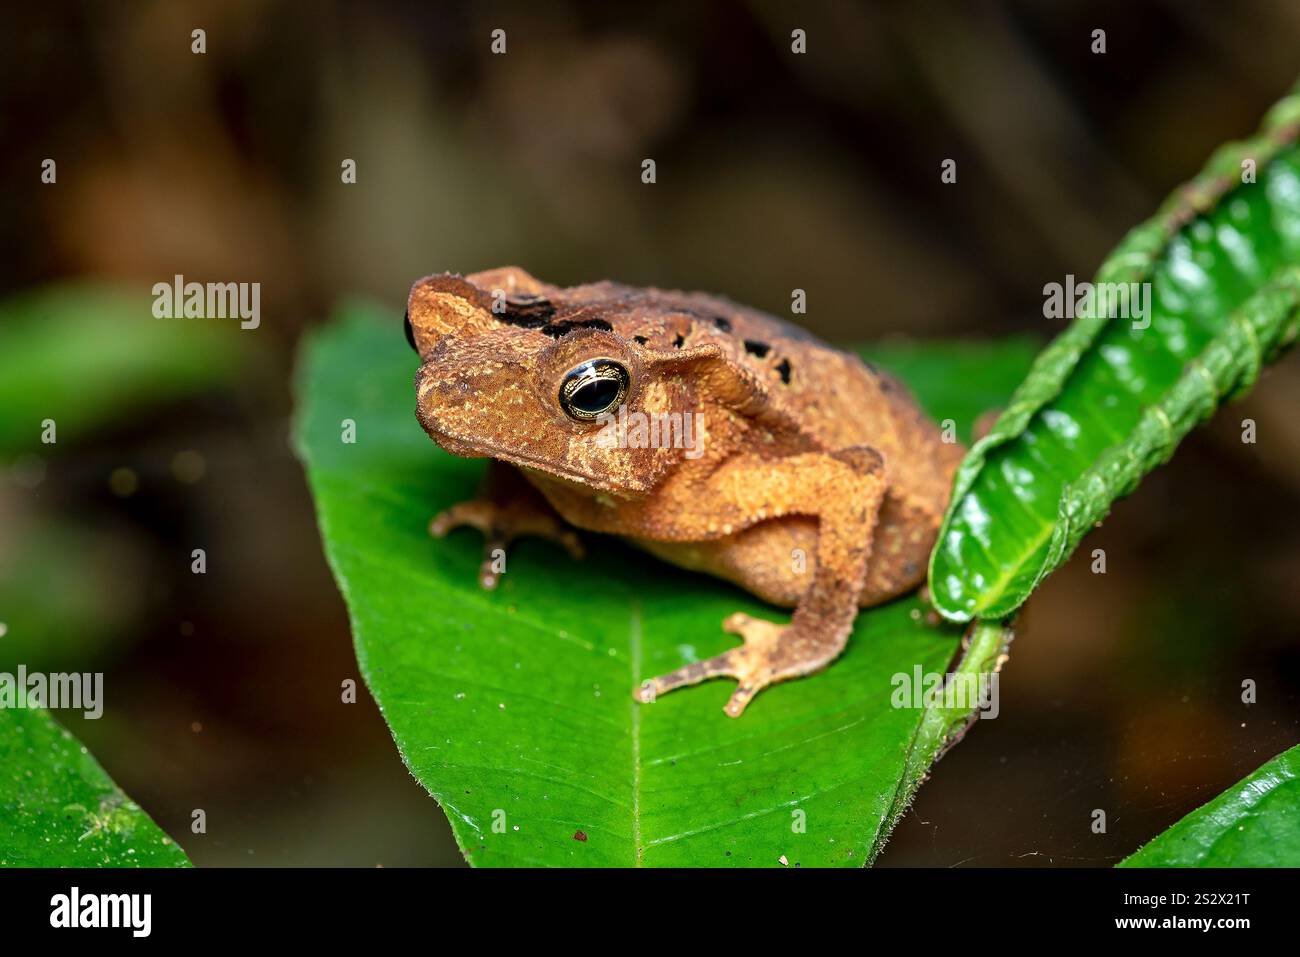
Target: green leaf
{"points": [[514, 708], [1108, 401], [1255, 823], [59, 809], [84, 355]]}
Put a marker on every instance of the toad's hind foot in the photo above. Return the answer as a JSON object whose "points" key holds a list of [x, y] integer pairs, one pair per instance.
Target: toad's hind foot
{"points": [[770, 653], [501, 524]]}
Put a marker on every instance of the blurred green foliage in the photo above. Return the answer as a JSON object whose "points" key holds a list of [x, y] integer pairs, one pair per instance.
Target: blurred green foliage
{"points": [[86, 355], [74, 360]]}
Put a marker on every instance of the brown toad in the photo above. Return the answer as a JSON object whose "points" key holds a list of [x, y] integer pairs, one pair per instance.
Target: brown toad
{"points": [[711, 435]]}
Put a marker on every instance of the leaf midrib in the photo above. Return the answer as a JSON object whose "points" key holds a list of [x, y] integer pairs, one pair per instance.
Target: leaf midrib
{"points": [[634, 653]]}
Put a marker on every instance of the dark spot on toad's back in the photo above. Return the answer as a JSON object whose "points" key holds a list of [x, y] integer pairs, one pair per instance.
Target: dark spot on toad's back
{"points": [[783, 368], [679, 341], [562, 326], [640, 340], [528, 312], [756, 348], [721, 323]]}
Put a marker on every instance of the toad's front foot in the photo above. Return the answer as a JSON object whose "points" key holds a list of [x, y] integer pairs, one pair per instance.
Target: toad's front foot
{"points": [[501, 524], [771, 653]]}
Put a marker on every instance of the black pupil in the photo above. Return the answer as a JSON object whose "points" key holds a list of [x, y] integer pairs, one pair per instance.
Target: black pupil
{"points": [[595, 397], [593, 388]]}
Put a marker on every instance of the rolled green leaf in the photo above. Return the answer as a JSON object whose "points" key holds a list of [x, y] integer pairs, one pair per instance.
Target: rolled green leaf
{"points": [[1111, 397]]}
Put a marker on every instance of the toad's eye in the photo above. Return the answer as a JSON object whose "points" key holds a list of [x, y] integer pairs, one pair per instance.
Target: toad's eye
{"points": [[593, 388]]}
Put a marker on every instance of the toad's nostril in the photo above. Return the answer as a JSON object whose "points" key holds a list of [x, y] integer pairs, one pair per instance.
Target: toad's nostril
{"points": [[410, 333]]}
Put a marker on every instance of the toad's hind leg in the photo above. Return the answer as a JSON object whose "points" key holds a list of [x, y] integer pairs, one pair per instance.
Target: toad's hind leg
{"points": [[844, 491]]}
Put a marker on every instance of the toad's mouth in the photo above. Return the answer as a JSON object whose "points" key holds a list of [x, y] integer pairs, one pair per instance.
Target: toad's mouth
{"points": [[535, 464]]}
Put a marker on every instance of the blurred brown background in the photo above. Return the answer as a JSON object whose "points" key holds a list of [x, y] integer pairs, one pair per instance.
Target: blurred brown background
{"points": [[775, 171]]}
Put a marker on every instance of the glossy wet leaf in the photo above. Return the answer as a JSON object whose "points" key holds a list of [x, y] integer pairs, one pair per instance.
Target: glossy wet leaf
{"points": [[59, 809], [514, 707], [1255, 823], [1110, 399]]}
